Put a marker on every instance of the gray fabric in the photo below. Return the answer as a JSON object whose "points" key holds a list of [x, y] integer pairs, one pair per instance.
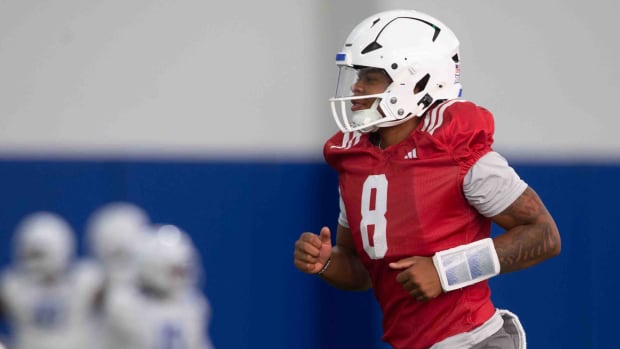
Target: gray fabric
{"points": [[467, 340], [513, 327], [499, 340], [491, 185]]}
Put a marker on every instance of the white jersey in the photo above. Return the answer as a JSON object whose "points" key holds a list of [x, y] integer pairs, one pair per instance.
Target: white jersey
{"points": [[51, 316], [115, 278], [138, 321]]}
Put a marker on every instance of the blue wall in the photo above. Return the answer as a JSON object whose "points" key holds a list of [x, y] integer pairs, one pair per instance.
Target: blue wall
{"points": [[245, 217]]}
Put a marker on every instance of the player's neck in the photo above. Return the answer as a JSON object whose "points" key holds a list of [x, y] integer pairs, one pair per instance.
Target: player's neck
{"points": [[393, 135]]}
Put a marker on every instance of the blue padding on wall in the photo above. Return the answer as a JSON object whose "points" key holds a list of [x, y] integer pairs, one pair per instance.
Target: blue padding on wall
{"points": [[246, 216], [71, 189]]}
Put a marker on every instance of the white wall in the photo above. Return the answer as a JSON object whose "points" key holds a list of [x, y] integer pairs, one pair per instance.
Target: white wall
{"points": [[206, 78], [158, 76]]}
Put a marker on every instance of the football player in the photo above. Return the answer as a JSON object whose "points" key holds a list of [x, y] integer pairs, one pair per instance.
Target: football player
{"points": [[113, 231], [165, 308], [420, 185], [48, 297]]}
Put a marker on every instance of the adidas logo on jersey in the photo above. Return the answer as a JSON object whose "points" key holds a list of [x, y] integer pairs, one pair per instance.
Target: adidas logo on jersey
{"points": [[412, 154]]}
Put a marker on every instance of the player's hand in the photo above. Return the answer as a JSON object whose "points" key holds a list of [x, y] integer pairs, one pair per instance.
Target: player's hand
{"points": [[418, 277], [312, 251]]}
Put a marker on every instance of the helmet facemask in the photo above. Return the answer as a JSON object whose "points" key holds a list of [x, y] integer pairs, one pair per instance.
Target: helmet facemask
{"points": [[345, 103]]}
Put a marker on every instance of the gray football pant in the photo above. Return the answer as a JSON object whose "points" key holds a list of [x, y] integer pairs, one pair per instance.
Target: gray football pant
{"points": [[499, 340]]}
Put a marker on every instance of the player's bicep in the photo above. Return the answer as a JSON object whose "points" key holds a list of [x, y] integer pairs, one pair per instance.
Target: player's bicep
{"points": [[526, 209]]}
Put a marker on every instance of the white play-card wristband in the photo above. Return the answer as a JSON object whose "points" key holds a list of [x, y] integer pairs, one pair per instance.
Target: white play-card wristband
{"points": [[467, 264]]}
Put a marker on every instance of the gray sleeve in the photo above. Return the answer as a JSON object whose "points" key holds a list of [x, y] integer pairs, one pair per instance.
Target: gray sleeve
{"points": [[342, 217], [491, 185]]}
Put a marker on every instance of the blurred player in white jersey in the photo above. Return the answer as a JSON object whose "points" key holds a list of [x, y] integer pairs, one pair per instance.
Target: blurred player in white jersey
{"points": [[165, 309], [48, 297], [113, 232]]}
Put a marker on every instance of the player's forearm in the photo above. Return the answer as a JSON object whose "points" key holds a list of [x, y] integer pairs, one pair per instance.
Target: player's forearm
{"points": [[346, 271], [527, 245], [531, 234]]}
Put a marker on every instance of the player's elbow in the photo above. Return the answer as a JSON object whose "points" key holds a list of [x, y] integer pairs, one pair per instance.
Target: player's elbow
{"points": [[554, 242]]}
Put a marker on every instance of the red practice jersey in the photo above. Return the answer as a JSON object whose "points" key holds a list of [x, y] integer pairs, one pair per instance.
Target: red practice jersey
{"points": [[407, 200]]}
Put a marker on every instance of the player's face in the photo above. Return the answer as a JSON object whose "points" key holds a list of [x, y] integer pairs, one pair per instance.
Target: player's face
{"points": [[369, 81], [37, 261]]}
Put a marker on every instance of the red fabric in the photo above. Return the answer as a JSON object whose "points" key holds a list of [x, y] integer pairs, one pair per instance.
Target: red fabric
{"points": [[426, 212]]}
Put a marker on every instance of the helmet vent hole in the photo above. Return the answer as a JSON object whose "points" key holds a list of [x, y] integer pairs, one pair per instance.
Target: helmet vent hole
{"points": [[421, 85], [394, 66], [371, 47]]}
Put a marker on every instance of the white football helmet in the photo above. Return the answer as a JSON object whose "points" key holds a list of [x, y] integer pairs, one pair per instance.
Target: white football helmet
{"points": [[167, 260], [113, 232], [418, 52], [44, 244]]}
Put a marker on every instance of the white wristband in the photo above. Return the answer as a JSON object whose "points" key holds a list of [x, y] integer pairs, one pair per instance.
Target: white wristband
{"points": [[466, 264]]}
